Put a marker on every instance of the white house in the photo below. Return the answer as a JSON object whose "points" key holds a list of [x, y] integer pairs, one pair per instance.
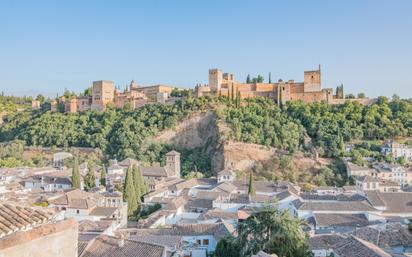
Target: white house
{"points": [[48, 183]]}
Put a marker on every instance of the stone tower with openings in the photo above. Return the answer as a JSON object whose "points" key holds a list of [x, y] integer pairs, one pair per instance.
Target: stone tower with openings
{"points": [[173, 163], [312, 81]]}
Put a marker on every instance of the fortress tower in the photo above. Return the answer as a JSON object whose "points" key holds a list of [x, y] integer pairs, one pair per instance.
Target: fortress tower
{"points": [[284, 93], [215, 79], [173, 163], [103, 93], [312, 81]]}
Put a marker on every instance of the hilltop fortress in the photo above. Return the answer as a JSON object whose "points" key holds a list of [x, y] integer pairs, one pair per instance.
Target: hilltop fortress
{"points": [[309, 91], [220, 84], [105, 92]]}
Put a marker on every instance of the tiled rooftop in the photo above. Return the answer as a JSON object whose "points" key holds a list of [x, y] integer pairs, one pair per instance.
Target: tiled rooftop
{"points": [[106, 246], [15, 218]]}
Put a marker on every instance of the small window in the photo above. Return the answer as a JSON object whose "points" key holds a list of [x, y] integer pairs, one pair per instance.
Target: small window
{"points": [[199, 242], [205, 241], [78, 211]]}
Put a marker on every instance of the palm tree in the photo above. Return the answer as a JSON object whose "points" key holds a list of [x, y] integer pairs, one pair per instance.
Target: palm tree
{"points": [[273, 231]]}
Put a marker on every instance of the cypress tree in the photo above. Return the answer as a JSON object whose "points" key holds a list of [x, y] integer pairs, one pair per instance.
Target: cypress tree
{"points": [[270, 77], [76, 175], [90, 180], [248, 79], [129, 193], [238, 99], [233, 93], [141, 182], [251, 189], [103, 176], [137, 184]]}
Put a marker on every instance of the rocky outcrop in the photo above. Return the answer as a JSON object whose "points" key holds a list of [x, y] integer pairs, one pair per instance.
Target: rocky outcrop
{"points": [[205, 130], [244, 156], [193, 132]]}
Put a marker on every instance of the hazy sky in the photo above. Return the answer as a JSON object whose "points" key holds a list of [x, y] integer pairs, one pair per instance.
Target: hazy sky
{"points": [[47, 46]]}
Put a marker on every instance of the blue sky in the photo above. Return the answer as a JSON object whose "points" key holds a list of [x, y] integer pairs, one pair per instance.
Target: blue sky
{"points": [[47, 46]]}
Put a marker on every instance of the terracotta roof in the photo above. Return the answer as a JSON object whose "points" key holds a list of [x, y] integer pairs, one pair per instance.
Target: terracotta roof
{"points": [[319, 242], [218, 213], [175, 204], [103, 211], [260, 186], [50, 179], [199, 204], [169, 241], [129, 161], [328, 197], [113, 193], [367, 179], [81, 246], [374, 199], [397, 202], [15, 218], [154, 171], [182, 184], [94, 226], [356, 247], [340, 220], [78, 199], [107, 246], [218, 230], [333, 206], [392, 236], [225, 187], [209, 195]]}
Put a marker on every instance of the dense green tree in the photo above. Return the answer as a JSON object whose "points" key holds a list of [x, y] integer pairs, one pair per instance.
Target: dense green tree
{"points": [[227, 247], [251, 187], [262, 122], [273, 231], [40, 98], [123, 133], [103, 175], [76, 183], [238, 99], [139, 182], [402, 160], [232, 94], [270, 230], [90, 179], [248, 81], [258, 79], [129, 193]]}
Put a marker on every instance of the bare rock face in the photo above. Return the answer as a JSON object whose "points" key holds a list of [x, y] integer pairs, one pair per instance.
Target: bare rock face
{"points": [[205, 130], [244, 156], [193, 132]]}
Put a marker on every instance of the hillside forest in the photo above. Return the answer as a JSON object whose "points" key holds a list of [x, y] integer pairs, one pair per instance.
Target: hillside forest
{"points": [[122, 133]]}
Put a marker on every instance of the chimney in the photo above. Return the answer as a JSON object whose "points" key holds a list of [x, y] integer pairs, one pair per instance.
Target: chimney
{"points": [[120, 242]]}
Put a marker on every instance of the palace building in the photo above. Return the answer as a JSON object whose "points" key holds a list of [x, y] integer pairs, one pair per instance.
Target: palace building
{"points": [[105, 92], [309, 91]]}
